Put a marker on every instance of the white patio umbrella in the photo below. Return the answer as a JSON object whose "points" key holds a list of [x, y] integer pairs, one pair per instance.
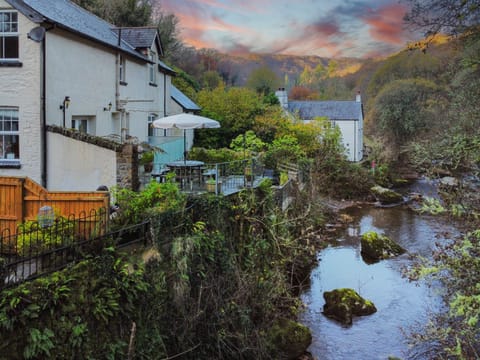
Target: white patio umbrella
{"points": [[185, 121]]}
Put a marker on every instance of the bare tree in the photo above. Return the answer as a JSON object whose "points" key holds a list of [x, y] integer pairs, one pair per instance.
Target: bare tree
{"points": [[453, 17]]}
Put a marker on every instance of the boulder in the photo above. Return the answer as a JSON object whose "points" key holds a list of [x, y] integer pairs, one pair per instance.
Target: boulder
{"points": [[288, 339], [343, 304], [386, 196], [449, 181], [377, 247]]}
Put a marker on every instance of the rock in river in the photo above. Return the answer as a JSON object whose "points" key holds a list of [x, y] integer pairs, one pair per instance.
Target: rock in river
{"points": [[386, 196], [288, 339], [377, 247], [343, 304]]}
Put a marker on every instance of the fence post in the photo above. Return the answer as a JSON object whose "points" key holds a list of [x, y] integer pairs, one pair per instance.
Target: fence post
{"points": [[216, 178]]}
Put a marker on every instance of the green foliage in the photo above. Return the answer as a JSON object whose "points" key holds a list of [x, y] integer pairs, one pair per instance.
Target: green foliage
{"points": [[248, 142], [271, 124], [405, 65], [74, 313], [432, 206], [211, 80], [263, 80], [234, 108], [135, 207], [39, 343], [465, 93], [213, 156], [401, 109], [335, 176], [458, 151], [284, 149], [147, 158], [457, 331], [33, 238]]}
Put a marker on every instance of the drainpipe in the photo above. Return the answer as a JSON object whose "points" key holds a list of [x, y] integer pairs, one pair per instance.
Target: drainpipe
{"points": [[164, 100], [43, 114], [164, 94]]}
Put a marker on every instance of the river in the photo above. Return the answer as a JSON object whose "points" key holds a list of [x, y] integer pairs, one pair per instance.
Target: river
{"points": [[401, 305]]}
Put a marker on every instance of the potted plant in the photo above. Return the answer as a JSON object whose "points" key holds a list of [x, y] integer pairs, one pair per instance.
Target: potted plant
{"points": [[248, 173], [147, 161], [212, 185]]}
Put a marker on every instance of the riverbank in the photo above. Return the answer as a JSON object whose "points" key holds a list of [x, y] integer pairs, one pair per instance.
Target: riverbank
{"points": [[401, 304]]}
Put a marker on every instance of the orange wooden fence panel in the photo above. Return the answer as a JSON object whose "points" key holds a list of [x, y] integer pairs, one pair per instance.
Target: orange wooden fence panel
{"points": [[21, 199]]}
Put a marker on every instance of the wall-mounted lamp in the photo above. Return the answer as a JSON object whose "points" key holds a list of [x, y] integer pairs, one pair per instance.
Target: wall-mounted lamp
{"points": [[109, 107], [64, 106]]}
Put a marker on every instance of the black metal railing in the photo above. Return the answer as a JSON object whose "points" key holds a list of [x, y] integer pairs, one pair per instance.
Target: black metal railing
{"points": [[37, 248]]}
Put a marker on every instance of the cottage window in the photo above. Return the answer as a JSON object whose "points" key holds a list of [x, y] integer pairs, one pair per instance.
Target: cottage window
{"points": [[121, 70], [81, 125], [9, 135], [152, 67], [8, 35]]}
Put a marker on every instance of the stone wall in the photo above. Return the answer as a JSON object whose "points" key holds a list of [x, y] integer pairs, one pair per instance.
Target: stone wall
{"points": [[127, 167]]}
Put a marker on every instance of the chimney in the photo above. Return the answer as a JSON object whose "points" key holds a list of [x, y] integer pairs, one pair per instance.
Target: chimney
{"points": [[282, 96], [358, 98]]}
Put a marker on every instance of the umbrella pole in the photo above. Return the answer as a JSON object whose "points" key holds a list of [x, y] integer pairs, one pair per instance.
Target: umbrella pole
{"points": [[184, 146]]}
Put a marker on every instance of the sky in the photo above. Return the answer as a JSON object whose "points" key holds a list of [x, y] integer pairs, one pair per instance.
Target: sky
{"points": [[327, 28]]}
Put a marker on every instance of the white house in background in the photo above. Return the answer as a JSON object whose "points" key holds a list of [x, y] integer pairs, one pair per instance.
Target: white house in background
{"points": [[61, 65], [347, 115]]}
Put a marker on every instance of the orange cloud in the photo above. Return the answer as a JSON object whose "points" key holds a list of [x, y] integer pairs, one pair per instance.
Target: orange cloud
{"points": [[386, 23]]}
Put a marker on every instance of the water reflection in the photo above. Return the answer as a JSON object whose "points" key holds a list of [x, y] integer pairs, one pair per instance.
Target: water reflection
{"points": [[400, 304]]}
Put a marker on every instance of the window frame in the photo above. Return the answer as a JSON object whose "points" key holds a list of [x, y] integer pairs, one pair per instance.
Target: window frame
{"points": [[13, 23], [122, 70], [152, 76], [151, 130], [4, 134], [81, 125]]}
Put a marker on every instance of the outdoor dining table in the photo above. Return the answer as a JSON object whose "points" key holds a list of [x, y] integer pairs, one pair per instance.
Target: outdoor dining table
{"points": [[187, 171]]}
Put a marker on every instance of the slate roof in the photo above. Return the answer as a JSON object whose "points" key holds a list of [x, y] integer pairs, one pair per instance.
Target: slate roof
{"points": [[334, 110], [183, 100], [138, 37], [143, 38], [71, 17]]}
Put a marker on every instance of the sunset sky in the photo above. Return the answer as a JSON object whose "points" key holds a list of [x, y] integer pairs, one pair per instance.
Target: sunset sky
{"points": [[330, 28]]}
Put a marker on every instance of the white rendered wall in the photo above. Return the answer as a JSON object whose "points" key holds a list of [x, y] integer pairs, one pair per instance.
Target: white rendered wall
{"points": [[86, 73], [78, 166], [20, 87], [348, 130], [142, 98]]}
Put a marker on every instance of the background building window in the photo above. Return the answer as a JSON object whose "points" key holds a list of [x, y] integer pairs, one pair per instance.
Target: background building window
{"points": [[8, 35], [152, 67], [151, 129], [9, 134]]}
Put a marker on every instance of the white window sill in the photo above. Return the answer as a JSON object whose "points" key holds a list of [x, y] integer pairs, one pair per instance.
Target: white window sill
{"points": [[10, 164]]}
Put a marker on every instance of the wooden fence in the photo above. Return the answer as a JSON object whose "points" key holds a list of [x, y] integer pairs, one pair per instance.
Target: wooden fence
{"points": [[21, 199]]}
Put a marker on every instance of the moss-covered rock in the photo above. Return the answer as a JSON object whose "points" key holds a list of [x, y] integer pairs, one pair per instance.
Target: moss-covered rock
{"points": [[343, 304], [377, 247], [386, 196], [288, 339]]}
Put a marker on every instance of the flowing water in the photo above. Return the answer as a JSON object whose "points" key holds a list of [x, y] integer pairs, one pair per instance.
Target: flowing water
{"points": [[401, 305]]}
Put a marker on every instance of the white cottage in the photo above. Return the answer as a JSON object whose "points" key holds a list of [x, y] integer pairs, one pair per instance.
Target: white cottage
{"points": [[347, 115], [61, 65]]}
